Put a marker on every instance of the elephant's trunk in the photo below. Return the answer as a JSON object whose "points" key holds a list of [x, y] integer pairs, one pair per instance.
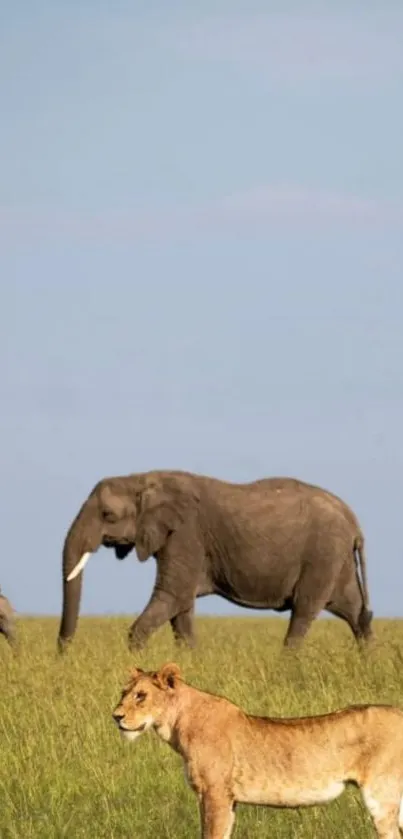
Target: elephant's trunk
{"points": [[71, 608], [83, 538]]}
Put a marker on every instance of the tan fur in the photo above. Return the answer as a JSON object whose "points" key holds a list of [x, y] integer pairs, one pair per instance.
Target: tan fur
{"points": [[230, 756]]}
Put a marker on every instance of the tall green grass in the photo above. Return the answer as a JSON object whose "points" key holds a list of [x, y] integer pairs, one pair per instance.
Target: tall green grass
{"points": [[65, 772]]}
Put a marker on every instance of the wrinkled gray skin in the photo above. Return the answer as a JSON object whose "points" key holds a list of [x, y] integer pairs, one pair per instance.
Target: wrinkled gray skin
{"points": [[7, 620], [276, 543]]}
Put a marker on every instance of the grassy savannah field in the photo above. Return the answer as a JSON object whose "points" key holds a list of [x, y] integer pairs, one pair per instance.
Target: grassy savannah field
{"points": [[65, 772]]}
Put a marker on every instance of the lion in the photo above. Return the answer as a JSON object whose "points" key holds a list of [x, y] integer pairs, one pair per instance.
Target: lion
{"points": [[232, 757]]}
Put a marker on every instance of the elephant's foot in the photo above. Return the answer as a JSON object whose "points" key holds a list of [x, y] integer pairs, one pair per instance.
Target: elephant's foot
{"points": [[135, 642], [183, 628], [63, 644], [134, 645], [14, 645], [186, 641], [365, 631], [293, 642]]}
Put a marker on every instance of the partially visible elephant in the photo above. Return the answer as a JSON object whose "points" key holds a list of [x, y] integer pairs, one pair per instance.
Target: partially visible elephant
{"points": [[7, 620], [275, 543]]}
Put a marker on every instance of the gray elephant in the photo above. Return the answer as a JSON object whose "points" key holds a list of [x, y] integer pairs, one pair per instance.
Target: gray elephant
{"points": [[7, 620], [275, 543]]}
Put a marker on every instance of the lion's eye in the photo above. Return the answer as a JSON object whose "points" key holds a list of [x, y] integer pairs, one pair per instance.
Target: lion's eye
{"points": [[140, 696]]}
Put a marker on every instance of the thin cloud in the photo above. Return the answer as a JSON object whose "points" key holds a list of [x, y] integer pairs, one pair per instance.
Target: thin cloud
{"points": [[285, 202], [247, 211], [298, 48]]}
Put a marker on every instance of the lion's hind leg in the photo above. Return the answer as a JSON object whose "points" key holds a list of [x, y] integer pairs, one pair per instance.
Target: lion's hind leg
{"points": [[401, 815], [383, 801]]}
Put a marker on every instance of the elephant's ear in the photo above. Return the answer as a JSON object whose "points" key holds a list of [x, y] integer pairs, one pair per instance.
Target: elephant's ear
{"points": [[163, 511]]}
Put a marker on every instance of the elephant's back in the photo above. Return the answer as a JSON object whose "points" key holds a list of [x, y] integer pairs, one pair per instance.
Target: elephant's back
{"points": [[279, 500], [275, 495], [318, 495]]}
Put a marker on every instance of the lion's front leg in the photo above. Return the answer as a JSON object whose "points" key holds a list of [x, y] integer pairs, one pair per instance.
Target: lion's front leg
{"points": [[217, 815]]}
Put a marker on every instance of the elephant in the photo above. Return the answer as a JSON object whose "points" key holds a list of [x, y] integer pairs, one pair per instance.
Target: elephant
{"points": [[7, 620], [274, 543]]}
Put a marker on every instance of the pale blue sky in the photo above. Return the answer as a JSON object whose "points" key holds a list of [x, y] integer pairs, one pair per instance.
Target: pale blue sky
{"points": [[201, 262]]}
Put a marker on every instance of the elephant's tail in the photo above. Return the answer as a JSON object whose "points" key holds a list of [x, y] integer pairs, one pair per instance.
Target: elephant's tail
{"points": [[366, 614]]}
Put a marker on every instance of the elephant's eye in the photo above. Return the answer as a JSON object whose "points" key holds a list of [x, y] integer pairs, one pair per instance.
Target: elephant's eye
{"points": [[140, 696], [108, 516]]}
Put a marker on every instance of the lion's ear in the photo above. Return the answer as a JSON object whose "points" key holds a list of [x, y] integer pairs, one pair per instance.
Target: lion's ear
{"points": [[163, 510], [168, 676], [135, 672]]}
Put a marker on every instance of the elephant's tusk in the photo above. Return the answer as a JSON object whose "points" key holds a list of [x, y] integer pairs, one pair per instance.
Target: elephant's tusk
{"points": [[79, 567]]}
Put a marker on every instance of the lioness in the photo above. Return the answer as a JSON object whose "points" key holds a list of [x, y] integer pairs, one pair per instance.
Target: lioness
{"points": [[232, 757]]}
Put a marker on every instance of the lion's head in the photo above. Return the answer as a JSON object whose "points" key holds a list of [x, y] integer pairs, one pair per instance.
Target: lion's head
{"points": [[146, 700]]}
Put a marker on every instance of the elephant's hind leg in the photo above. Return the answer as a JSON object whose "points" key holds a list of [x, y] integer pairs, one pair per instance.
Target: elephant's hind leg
{"points": [[300, 622], [311, 596], [346, 603], [344, 611]]}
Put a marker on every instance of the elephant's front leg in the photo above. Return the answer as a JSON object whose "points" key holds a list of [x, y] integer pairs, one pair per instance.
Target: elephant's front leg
{"points": [[183, 627], [178, 572], [159, 610], [8, 630]]}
